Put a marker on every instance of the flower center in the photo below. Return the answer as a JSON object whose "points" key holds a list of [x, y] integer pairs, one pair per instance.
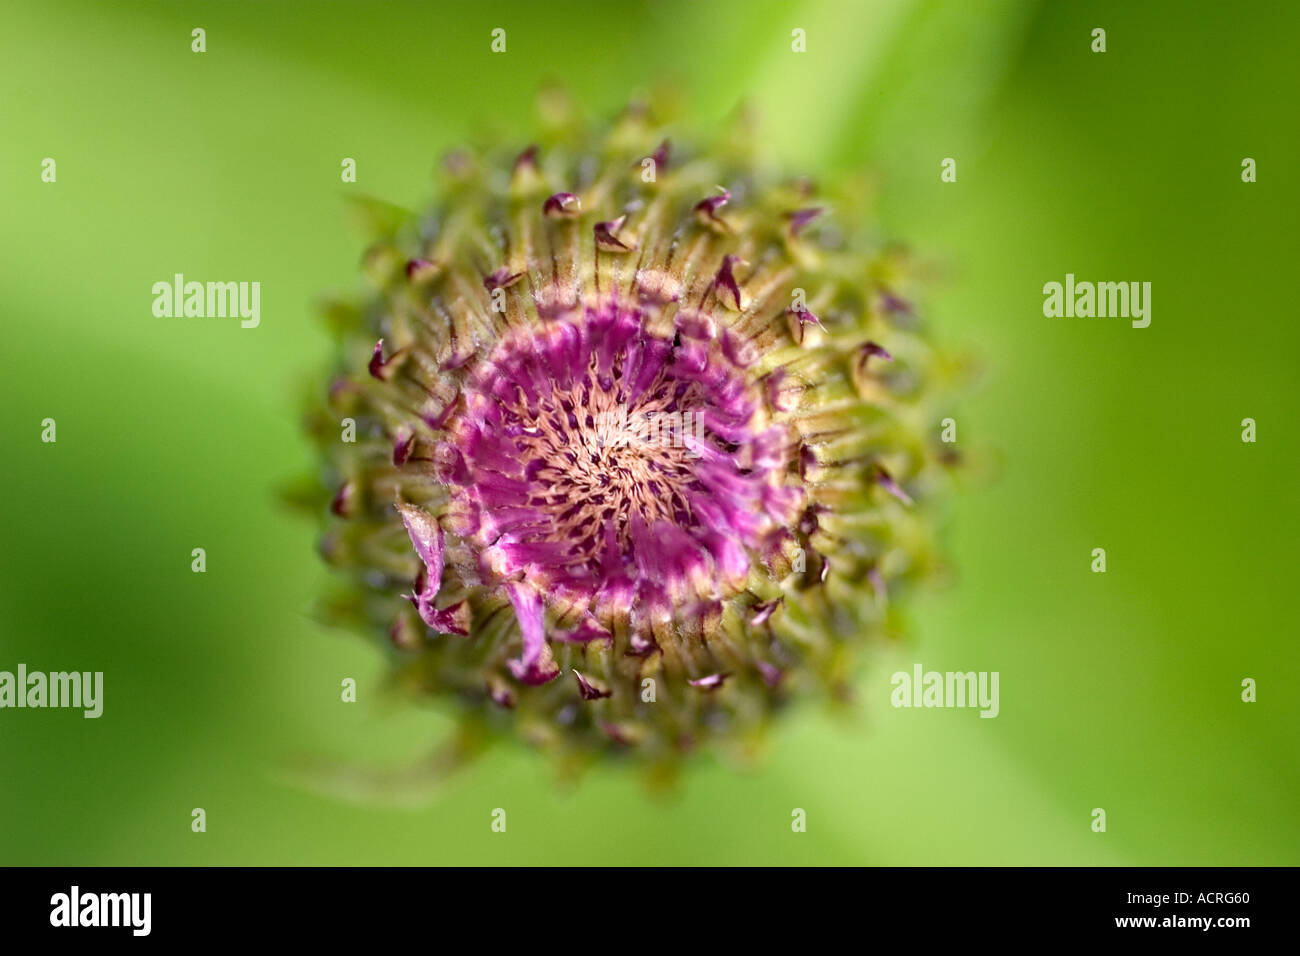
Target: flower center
{"points": [[595, 453]]}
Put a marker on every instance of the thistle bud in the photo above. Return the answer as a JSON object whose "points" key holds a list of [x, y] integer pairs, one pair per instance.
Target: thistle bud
{"points": [[666, 588]]}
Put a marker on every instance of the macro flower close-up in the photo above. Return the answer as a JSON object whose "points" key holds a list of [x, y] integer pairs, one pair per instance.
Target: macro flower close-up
{"points": [[632, 443], [663, 433]]}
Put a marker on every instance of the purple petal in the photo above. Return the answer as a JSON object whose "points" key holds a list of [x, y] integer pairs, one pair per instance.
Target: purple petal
{"points": [[729, 558], [696, 325], [641, 645], [535, 666], [588, 630], [427, 538], [543, 672], [453, 619], [739, 350], [781, 399]]}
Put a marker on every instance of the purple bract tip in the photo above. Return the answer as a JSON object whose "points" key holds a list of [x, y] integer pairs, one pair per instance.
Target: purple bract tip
{"points": [[801, 218], [378, 364], [887, 482], [342, 505], [726, 279], [526, 159], [502, 278], [562, 206], [708, 208], [606, 238], [711, 682], [587, 689], [417, 269], [402, 447]]}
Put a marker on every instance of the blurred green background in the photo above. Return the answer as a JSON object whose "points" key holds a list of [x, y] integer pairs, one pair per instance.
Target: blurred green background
{"points": [[1119, 691]]}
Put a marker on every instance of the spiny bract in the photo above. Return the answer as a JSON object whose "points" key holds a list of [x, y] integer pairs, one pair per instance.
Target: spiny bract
{"points": [[642, 438]]}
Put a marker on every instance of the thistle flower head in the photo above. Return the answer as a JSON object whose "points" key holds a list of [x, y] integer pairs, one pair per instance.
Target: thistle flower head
{"points": [[643, 442]]}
